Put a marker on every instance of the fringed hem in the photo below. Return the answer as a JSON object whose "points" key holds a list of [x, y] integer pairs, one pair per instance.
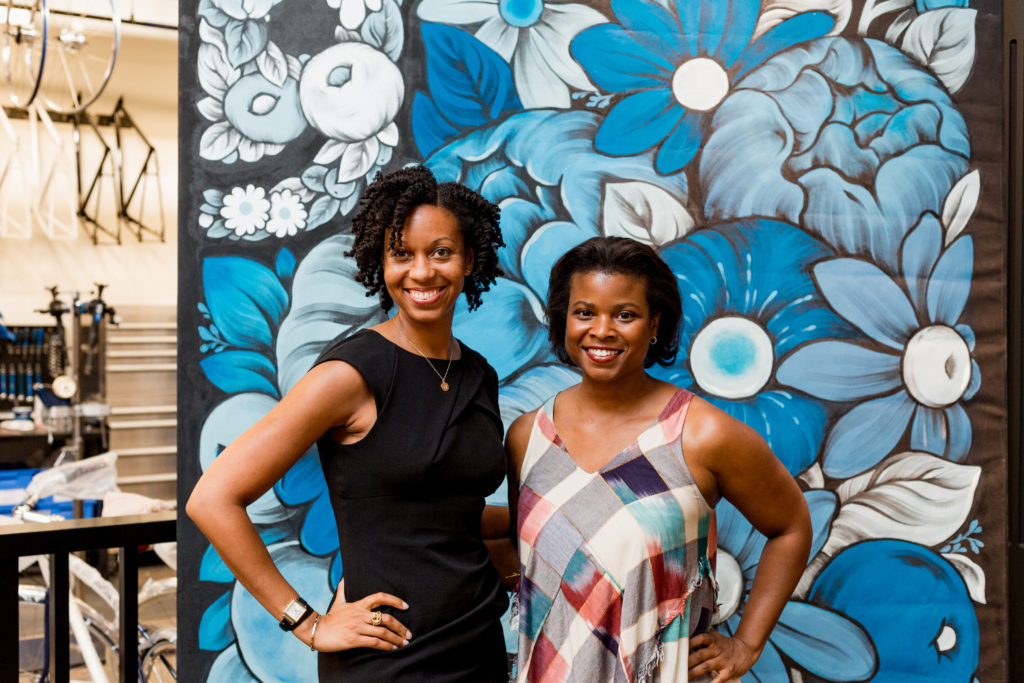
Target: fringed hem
{"points": [[513, 626]]}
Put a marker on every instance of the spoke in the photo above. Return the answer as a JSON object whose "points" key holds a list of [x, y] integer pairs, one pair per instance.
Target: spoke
{"points": [[70, 79]]}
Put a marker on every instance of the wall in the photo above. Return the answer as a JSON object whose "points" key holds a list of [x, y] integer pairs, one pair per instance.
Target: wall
{"points": [[138, 274], [822, 175]]}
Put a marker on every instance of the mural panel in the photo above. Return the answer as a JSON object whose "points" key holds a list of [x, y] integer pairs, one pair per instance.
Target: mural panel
{"points": [[812, 171]]}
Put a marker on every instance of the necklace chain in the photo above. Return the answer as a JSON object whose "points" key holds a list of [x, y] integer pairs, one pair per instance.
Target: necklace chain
{"points": [[444, 383]]}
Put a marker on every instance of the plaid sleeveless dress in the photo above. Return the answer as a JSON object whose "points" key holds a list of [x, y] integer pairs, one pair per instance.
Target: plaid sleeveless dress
{"points": [[617, 565]]}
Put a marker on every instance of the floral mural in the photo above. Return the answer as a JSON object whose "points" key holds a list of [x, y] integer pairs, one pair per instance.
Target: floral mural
{"points": [[806, 168]]}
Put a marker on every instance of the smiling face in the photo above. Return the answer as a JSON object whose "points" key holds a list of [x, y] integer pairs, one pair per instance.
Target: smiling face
{"points": [[609, 324], [424, 273]]}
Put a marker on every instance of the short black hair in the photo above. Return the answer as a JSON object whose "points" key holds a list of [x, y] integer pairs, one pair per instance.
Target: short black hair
{"points": [[627, 257], [389, 200]]}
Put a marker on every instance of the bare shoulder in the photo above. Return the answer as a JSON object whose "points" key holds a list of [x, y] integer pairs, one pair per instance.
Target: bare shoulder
{"points": [[714, 436], [333, 386]]}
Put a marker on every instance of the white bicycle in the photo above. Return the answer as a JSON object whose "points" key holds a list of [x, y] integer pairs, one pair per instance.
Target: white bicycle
{"points": [[94, 630]]}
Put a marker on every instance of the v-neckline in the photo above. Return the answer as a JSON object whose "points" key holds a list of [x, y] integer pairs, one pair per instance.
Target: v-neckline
{"points": [[549, 410]]}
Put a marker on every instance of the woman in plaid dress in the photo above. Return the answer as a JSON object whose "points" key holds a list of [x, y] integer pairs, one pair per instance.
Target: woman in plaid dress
{"points": [[613, 484]]}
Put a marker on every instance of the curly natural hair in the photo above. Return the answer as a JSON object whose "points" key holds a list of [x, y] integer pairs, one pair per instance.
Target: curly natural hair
{"points": [[628, 257], [387, 203]]}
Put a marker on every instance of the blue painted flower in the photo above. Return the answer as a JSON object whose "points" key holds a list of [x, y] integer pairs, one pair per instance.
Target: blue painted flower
{"points": [[675, 66], [925, 5], [553, 190], [820, 641], [748, 301], [919, 369], [850, 139], [912, 603]]}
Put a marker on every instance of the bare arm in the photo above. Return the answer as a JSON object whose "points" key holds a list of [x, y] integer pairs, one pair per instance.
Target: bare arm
{"points": [[331, 396], [748, 475]]}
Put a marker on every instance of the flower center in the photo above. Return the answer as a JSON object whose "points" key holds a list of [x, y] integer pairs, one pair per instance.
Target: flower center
{"points": [[729, 576], [700, 83], [284, 213], [521, 13], [245, 208], [732, 357], [936, 366]]}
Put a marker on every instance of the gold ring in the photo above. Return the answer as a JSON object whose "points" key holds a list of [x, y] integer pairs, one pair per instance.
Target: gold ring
{"points": [[375, 618]]}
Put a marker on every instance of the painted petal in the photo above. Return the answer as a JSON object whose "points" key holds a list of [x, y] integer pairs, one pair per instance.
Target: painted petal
{"points": [[960, 433], [529, 390], [553, 34], [866, 434], [229, 667], [688, 12], [863, 294], [739, 29], [714, 24], [822, 506], [512, 314], [650, 24], [920, 251], [928, 433], [352, 13], [537, 82], [638, 122], [499, 36], [616, 62], [792, 424], [545, 247], [319, 534], [769, 666], [824, 643], [738, 538], [681, 145], [796, 29], [975, 384], [951, 282], [840, 371], [457, 11], [967, 333]]}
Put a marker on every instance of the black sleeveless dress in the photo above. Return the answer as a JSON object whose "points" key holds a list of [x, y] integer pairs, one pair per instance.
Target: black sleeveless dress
{"points": [[408, 499]]}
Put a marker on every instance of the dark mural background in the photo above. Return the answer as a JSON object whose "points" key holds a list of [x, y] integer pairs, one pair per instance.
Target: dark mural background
{"points": [[823, 176]]}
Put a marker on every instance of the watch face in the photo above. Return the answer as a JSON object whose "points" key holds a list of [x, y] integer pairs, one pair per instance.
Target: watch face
{"points": [[294, 611]]}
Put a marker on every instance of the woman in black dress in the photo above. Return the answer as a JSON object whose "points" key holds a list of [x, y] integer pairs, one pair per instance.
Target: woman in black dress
{"points": [[407, 426]]}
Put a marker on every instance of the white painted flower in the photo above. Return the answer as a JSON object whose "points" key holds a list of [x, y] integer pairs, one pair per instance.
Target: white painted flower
{"points": [[287, 214], [351, 91], [531, 35], [245, 210], [351, 13]]}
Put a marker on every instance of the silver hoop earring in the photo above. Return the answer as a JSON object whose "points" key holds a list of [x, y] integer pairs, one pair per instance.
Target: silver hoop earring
{"points": [[654, 340]]}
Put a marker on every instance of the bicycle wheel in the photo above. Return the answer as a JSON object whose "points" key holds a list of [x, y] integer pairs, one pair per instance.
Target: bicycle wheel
{"points": [[33, 643], [23, 49], [81, 51], [159, 661]]}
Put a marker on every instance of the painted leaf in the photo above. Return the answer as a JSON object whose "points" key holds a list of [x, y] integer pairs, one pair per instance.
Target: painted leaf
{"points": [[212, 14], [774, 12], [236, 371], [909, 496], [971, 573], [246, 300], [385, 30], [296, 186], [244, 39], [873, 9], [322, 210], [215, 631], [357, 159], [532, 388], [212, 568], [211, 108], [645, 213], [272, 64], [313, 178], [960, 204], [218, 141], [284, 265], [215, 74], [429, 127], [468, 81], [943, 40], [330, 152]]}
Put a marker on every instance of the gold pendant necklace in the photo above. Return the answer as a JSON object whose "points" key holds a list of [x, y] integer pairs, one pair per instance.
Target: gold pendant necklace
{"points": [[444, 384]]}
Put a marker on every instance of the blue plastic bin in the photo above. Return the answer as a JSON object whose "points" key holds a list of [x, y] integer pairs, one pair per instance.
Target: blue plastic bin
{"points": [[19, 479]]}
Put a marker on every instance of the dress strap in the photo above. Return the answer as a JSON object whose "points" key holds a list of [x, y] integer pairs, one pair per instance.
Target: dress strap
{"points": [[673, 416], [542, 437]]}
